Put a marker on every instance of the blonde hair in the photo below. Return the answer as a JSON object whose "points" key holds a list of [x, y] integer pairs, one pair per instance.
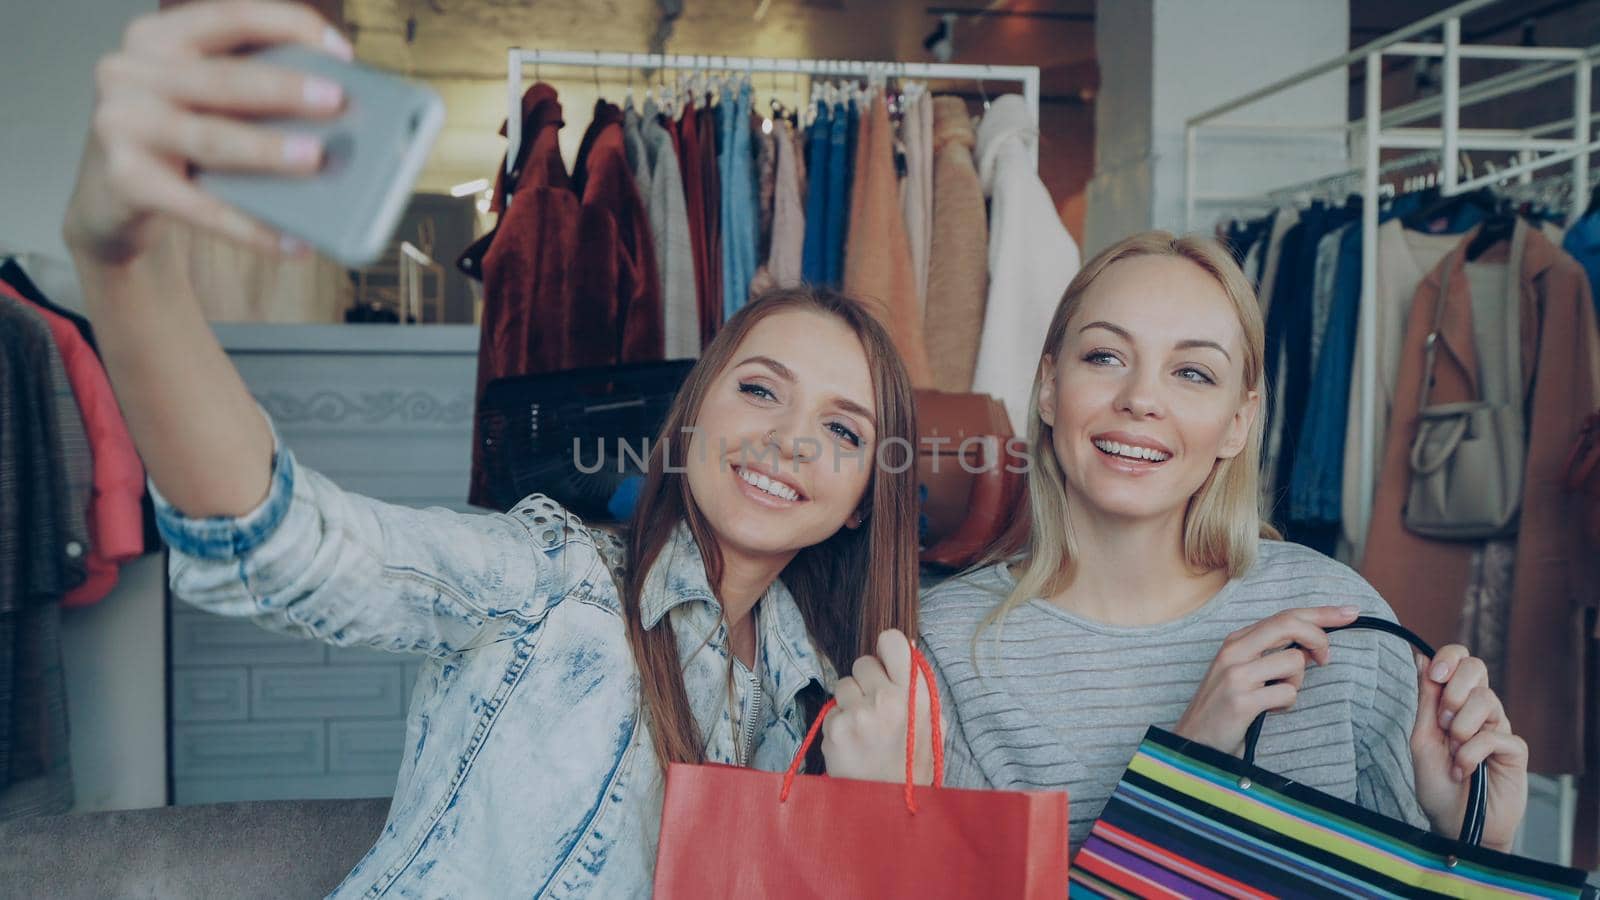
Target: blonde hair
{"points": [[1223, 523]]}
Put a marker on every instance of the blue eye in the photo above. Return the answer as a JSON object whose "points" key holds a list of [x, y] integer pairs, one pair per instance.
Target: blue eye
{"points": [[845, 433], [1101, 358], [1195, 375], [755, 390]]}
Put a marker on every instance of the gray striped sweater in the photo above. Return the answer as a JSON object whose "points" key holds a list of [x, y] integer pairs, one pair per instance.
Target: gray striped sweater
{"points": [[1055, 701]]}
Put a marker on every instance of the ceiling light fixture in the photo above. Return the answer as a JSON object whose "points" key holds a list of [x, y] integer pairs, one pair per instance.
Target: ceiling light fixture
{"points": [[469, 187]]}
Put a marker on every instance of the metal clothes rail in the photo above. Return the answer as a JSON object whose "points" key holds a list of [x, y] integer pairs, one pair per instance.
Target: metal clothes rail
{"points": [[517, 59], [1379, 131]]}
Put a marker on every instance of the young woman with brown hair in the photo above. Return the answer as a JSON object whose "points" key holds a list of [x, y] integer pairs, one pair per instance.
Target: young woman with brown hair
{"points": [[564, 668]]}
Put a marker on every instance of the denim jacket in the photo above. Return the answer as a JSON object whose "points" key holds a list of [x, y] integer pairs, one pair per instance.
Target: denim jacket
{"points": [[528, 767]]}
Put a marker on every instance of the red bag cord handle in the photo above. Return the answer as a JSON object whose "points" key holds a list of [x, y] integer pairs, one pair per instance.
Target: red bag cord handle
{"points": [[919, 663]]}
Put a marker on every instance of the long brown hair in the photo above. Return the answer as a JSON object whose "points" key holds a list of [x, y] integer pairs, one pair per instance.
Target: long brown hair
{"points": [[849, 588]]}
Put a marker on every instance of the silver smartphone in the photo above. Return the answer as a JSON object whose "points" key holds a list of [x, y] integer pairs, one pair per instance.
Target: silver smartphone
{"points": [[373, 151]]}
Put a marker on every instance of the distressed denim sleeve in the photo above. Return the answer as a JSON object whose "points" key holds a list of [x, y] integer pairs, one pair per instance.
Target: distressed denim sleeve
{"points": [[317, 561]]}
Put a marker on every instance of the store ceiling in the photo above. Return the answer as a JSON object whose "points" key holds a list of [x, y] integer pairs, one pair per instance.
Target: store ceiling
{"points": [[465, 40], [1496, 23]]}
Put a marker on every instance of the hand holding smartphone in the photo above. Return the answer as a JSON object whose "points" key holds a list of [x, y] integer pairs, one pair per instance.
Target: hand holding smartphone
{"points": [[246, 118], [372, 153]]}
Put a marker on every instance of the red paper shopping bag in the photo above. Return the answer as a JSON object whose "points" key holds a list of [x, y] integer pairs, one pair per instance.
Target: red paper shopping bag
{"points": [[733, 832]]}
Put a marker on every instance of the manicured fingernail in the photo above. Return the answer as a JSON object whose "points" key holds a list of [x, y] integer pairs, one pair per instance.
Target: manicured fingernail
{"points": [[1440, 670], [320, 93], [1445, 718], [302, 150], [336, 43], [1350, 610], [288, 246]]}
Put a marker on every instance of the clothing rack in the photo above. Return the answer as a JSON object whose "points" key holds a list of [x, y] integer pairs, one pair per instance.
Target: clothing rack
{"points": [[1378, 131], [517, 59]]}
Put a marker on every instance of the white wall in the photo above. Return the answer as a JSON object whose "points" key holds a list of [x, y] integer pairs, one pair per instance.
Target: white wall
{"points": [[1162, 61], [115, 651]]}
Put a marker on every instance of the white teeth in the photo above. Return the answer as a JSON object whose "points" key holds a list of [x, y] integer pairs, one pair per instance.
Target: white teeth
{"points": [[775, 488], [1132, 452]]}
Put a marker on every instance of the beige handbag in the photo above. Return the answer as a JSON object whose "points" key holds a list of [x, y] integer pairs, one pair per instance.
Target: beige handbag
{"points": [[1467, 459]]}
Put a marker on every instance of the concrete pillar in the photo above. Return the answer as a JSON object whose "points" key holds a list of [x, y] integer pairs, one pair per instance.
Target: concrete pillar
{"points": [[1162, 61]]}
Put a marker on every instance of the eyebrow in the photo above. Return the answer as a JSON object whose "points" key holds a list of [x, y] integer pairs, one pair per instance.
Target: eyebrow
{"points": [[784, 372], [1189, 344]]}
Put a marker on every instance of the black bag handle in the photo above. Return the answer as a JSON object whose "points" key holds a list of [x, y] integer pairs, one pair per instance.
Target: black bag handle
{"points": [[1477, 791]]}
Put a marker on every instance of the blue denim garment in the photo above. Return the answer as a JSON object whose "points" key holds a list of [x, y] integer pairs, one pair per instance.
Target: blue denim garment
{"points": [[840, 165], [813, 258], [1583, 242], [529, 768], [740, 228], [1316, 486]]}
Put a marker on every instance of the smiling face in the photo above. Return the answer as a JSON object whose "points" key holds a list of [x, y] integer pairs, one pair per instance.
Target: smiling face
{"points": [[780, 457], [1146, 392]]}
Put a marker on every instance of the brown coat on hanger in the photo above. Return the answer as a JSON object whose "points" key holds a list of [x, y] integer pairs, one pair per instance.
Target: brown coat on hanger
{"points": [[877, 254], [1557, 579]]}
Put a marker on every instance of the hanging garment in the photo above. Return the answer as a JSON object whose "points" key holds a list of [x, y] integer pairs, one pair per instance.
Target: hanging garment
{"points": [[814, 256], [1032, 258], [1553, 587], [740, 212], [877, 253], [35, 569], [786, 249], [116, 502], [797, 140], [526, 263], [766, 142], [1327, 268], [1282, 221], [13, 274], [1404, 258], [1583, 242], [615, 315], [686, 138], [697, 163], [1486, 610], [36, 778], [1316, 486], [916, 188], [958, 273], [633, 147], [1289, 343], [670, 233], [711, 184], [841, 157], [60, 280], [69, 444]]}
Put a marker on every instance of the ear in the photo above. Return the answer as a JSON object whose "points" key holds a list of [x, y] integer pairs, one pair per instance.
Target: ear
{"points": [[1047, 391], [1238, 435], [856, 519]]}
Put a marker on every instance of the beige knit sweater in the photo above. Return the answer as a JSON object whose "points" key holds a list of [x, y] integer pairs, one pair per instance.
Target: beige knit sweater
{"points": [[958, 263]]}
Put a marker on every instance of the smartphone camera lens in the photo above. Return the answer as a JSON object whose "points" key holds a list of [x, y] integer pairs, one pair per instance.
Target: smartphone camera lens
{"points": [[337, 150]]}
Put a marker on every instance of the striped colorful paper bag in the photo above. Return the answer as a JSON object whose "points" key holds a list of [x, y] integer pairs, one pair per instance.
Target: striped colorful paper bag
{"points": [[1189, 821]]}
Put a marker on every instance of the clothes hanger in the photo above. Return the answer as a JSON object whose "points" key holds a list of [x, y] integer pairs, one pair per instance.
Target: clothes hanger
{"points": [[628, 101]]}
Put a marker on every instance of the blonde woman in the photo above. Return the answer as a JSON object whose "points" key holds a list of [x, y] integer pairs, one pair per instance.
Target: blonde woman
{"points": [[1142, 591]]}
